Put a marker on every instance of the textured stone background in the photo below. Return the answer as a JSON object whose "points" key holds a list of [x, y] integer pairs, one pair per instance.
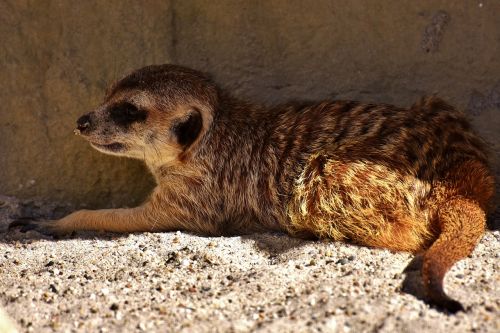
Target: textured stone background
{"points": [[57, 57]]}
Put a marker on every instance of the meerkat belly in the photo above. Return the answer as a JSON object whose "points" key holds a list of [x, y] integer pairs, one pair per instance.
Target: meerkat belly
{"points": [[362, 202]]}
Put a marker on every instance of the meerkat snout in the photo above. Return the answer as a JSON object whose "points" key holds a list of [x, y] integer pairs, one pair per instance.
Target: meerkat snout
{"points": [[83, 124]]}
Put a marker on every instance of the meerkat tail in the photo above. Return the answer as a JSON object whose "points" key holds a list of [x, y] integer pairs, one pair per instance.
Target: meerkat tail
{"points": [[462, 223]]}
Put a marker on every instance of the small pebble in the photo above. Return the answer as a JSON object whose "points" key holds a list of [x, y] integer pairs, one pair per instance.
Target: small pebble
{"points": [[342, 261]]}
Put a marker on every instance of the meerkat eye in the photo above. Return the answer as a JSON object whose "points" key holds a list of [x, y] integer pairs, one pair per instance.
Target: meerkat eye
{"points": [[126, 113]]}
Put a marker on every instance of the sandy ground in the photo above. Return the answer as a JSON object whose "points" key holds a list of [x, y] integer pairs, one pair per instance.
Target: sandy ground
{"points": [[178, 282]]}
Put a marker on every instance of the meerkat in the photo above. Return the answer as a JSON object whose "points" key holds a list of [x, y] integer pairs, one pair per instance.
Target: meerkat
{"points": [[377, 175]]}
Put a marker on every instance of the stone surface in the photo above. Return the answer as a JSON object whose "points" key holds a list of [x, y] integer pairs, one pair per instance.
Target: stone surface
{"points": [[177, 282], [58, 57]]}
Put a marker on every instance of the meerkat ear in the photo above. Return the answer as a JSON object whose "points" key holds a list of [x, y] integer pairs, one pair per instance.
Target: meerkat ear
{"points": [[187, 129]]}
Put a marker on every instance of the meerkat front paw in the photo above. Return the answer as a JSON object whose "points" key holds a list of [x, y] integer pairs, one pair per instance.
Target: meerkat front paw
{"points": [[52, 228]]}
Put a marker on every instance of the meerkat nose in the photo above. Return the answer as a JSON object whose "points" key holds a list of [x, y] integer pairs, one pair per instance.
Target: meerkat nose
{"points": [[82, 124]]}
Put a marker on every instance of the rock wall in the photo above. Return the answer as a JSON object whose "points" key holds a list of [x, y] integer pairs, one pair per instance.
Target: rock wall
{"points": [[56, 60], [59, 56]]}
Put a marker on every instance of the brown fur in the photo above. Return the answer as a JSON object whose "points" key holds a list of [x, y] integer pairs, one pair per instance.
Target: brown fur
{"points": [[376, 175]]}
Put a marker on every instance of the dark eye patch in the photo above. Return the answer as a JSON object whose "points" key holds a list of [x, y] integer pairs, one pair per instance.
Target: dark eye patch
{"points": [[124, 114]]}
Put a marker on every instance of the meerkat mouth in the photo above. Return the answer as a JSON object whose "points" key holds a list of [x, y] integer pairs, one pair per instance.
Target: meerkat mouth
{"points": [[113, 147]]}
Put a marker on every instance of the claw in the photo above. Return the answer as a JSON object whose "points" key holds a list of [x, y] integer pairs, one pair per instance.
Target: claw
{"points": [[20, 222], [27, 227], [43, 227]]}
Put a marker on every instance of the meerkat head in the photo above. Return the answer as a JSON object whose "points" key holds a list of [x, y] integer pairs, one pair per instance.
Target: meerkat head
{"points": [[157, 113]]}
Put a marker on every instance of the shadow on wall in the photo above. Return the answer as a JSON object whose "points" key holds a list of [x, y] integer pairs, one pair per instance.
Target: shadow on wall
{"points": [[59, 57]]}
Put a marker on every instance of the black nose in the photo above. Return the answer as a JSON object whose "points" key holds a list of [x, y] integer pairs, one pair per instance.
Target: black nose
{"points": [[83, 123]]}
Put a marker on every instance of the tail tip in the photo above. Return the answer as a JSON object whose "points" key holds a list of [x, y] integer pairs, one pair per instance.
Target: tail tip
{"points": [[449, 305]]}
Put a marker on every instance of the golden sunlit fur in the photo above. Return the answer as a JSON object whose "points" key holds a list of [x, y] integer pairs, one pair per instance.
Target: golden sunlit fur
{"points": [[370, 204]]}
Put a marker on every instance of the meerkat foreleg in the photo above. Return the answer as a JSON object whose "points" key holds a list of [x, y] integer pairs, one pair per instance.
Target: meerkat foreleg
{"points": [[112, 220]]}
